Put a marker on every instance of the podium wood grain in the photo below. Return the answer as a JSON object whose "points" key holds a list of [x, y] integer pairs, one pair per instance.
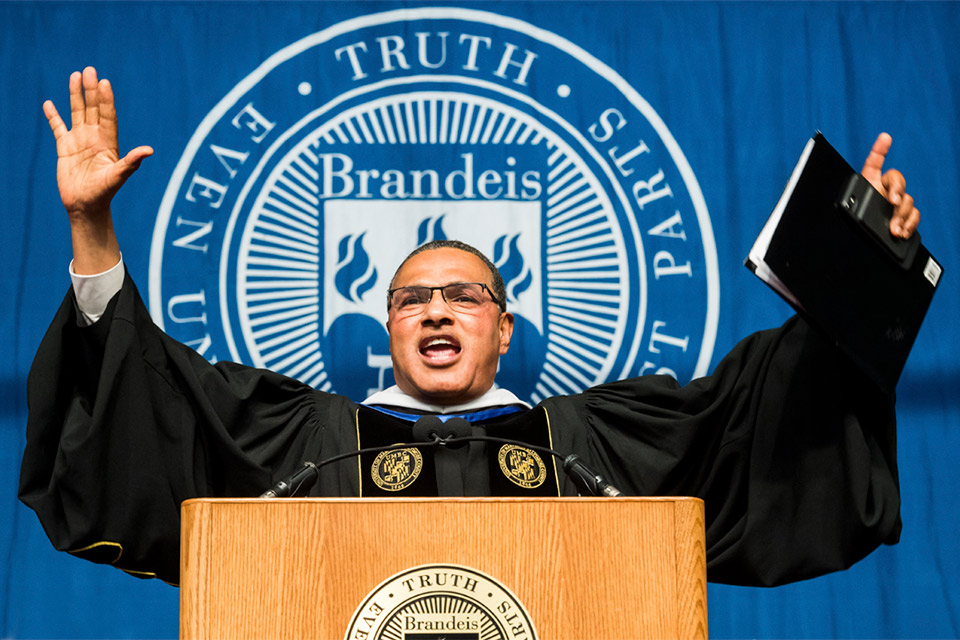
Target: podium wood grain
{"points": [[583, 567]]}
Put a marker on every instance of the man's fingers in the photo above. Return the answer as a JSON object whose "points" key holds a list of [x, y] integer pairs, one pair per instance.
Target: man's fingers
{"points": [[905, 218], [903, 221], [895, 186], [913, 220], [91, 94], [53, 118], [137, 154], [125, 167], [131, 161], [76, 99], [108, 114], [904, 226], [873, 165]]}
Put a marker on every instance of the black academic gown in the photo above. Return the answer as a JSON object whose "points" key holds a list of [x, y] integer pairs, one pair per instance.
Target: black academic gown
{"points": [[793, 453]]}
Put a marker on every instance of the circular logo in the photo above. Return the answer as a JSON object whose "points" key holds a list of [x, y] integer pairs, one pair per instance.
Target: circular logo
{"points": [[396, 470], [522, 466], [306, 186], [441, 601]]}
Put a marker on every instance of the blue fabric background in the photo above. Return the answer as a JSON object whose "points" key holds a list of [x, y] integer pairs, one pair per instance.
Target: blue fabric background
{"points": [[741, 86]]}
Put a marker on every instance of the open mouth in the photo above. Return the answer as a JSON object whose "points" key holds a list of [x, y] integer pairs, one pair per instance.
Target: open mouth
{"points": [[439, 348]]}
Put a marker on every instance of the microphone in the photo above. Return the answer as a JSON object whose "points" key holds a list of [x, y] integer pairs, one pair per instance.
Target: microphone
{"points": [[427, 429], [433, 430], [587, 479], [302, 480], [453, 434]]}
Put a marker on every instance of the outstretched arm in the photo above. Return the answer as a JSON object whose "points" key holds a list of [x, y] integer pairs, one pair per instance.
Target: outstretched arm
{"points": [[893, 186], [90, 169]]}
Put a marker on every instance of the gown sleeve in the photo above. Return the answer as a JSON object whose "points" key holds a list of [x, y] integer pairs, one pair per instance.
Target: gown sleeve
{"points": [[792, 450], [125, 423]]}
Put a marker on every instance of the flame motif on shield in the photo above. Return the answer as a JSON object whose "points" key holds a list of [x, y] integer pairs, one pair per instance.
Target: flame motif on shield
{"points": [[514, 269], [355, 271]]}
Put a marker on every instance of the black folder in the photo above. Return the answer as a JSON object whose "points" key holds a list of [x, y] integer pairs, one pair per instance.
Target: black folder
{"points": [[827, 250]]}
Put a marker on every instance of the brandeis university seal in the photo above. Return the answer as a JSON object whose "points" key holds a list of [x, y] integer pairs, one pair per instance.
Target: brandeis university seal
{"points": [[445, 601], [302, 190]]}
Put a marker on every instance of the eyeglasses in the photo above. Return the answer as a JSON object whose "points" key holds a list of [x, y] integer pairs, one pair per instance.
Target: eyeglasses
{"points": [[461, 296]]}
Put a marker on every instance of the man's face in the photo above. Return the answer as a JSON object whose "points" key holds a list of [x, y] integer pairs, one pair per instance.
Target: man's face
{"points": [[440, 355]]}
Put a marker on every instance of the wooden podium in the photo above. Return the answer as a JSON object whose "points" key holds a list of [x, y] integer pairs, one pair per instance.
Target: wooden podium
{"points": [[580, 567]]}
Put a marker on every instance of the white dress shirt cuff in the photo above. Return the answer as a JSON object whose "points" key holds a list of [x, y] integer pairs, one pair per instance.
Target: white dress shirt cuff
{"points": [[94, 292]]}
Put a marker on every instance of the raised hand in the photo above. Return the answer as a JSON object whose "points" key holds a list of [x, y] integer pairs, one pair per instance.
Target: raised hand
{"points": [[893, 186], [90, 169]]}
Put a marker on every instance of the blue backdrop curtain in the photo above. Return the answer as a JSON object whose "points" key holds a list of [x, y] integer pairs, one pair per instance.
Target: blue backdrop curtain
{"points": [[741, 86]]}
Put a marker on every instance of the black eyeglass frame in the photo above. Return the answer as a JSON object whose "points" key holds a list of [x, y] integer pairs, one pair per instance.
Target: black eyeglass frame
{"points": [[441, 288]]}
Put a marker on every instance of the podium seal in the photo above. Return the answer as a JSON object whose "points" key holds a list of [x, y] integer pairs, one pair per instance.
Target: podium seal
{"points": [[436, 601]]}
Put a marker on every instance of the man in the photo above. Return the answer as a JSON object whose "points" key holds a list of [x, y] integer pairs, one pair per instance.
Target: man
{"points": [[792, 450]]}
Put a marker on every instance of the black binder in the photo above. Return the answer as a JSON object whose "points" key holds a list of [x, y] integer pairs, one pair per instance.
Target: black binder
{"points": [[827, 250]]}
